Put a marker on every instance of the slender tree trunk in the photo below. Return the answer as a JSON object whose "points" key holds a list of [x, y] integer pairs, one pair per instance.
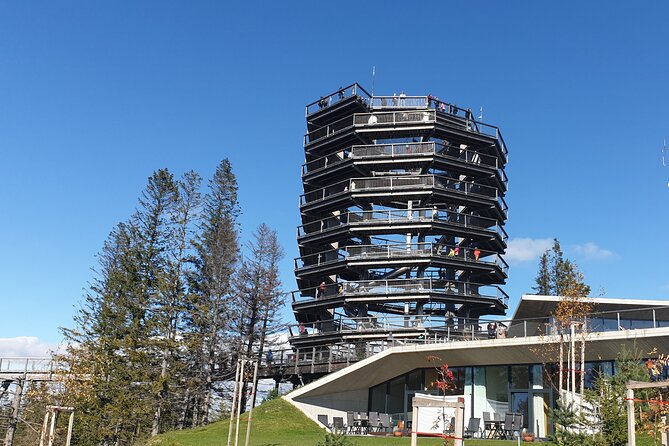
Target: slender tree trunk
{"points": [[561, 365], [263, 335]]}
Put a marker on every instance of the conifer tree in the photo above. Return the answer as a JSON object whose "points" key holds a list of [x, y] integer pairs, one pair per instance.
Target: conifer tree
{"points": [[169, 310], [214, 263]]}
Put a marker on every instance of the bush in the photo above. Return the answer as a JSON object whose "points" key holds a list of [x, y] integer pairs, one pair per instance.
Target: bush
{"points": [[272, 395]]}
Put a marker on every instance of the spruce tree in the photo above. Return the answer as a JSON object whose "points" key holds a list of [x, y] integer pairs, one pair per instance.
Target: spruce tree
{"points": [[214, 262]]}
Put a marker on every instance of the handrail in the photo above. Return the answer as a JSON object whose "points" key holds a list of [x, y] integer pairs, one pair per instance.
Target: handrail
{"points": [[328, 130], [400, 117], [331, 99], [418, 215], [442, 327], [403, 149], [400, 182], [398, 286], [395, 101], [22, 364], [401, 250]]}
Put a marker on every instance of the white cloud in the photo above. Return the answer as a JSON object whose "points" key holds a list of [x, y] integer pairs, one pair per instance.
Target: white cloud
{"points": [[24, 346], [591, 251], [526, 249]]}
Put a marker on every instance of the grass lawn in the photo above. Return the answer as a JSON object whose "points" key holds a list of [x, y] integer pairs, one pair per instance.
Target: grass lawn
{"points": [[278, 423]]}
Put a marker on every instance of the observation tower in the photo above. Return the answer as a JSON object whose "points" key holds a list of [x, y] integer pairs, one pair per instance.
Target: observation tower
{"points": [[402, 231]]}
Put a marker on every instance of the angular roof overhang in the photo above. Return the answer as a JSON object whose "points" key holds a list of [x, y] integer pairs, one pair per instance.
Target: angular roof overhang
{"points": [[522, 350], [535, 306]]}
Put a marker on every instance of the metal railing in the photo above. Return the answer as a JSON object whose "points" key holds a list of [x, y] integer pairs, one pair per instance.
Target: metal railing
{"points": [[418, 216], [402, 250], [401, 286], [403, 149], [328, 130], [342, 93], [28, 365], [398, 101], [416, 329], [404, 182], [394, 118]]}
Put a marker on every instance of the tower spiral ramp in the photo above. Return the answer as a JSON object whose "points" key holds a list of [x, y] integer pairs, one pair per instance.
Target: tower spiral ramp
{"points": [[403, 214]]}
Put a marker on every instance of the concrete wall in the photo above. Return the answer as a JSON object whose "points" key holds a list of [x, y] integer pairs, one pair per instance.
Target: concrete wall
{"points": [[333, 404]]}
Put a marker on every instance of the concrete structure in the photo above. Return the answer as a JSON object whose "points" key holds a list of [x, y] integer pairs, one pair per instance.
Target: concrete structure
{"points": [[515, 374]]}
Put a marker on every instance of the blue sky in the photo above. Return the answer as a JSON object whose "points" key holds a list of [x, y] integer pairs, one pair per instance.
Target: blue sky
{"points": [[94, 96]]}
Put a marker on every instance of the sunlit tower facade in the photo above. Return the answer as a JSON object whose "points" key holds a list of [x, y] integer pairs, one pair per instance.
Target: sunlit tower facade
{"points": [[403, 212]]}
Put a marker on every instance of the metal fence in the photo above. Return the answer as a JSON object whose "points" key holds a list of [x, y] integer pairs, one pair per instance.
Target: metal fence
{"points": [[403, 250], [337, 96], [347, 289], [419, 215]]}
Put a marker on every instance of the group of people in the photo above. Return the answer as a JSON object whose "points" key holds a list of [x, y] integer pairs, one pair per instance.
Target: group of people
{"points": [[454, 251], [325, 101], [496, 331], [442, 106]]}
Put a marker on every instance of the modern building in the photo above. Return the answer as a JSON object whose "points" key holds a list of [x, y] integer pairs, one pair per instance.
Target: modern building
{"points": [[401, 258], [514, 374], [403, 213]]}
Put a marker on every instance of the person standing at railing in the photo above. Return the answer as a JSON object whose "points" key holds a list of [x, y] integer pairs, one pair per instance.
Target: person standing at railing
{"points": [[492, 330], [320, 293], [302, 329], [477, 254]]}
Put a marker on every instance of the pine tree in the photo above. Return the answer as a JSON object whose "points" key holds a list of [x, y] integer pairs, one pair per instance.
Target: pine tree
{"points": [[558, 276], [214, 263], [108, 347], [169, 310], [542, 280]]}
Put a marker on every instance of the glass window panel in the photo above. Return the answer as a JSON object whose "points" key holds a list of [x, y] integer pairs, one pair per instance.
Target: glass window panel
{"points": [[497, 389], [520, 377], [396, 396], [415, 380], [537, 376], [519, 404]]}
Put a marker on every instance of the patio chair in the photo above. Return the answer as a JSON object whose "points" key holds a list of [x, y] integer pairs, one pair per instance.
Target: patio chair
{"points": [[350, 422], [373, 423], [487, 424], [323, 419], [507, 432], [385, 422], [473, 428], [518, 422], [338, 425]]}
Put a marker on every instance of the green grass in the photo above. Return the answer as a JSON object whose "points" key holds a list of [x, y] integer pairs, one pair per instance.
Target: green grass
{"points": [[278, 423]]}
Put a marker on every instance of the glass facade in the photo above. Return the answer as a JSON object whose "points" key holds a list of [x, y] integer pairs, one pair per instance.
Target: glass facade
{"points": [[525, 389]]}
